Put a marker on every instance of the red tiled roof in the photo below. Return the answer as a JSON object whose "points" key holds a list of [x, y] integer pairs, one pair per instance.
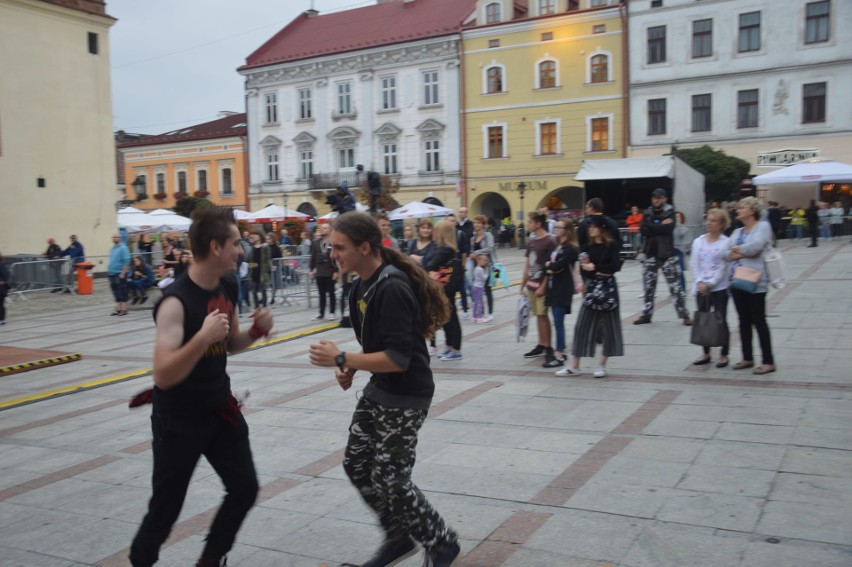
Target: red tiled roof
{"points": [[234, 125], [381, 24]]}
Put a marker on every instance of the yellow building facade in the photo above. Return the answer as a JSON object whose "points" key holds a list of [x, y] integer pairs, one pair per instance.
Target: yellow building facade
{"points": [[207, 160], [541, 95], [57, 155]]}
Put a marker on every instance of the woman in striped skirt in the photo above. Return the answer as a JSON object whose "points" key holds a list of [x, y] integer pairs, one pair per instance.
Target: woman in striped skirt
{"points": [[597, 325]]}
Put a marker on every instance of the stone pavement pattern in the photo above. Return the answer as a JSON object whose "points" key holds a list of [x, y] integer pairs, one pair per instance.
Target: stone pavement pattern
{"points": [[660, 464]]}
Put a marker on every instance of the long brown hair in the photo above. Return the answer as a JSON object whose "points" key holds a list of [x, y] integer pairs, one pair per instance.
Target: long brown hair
{"points": [[569, 237], [434, 305]]}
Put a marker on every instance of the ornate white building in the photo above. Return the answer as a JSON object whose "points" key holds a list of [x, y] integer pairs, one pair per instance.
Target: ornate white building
{"points": [[766, 81], [376, 86]]}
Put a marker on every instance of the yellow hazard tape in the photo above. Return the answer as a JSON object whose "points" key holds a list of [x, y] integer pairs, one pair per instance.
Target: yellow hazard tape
{"points": [[40, 396], [36, 363]]}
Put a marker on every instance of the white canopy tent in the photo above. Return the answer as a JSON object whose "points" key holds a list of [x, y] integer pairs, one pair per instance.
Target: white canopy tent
{"points": [[135, 221], [361, 208], [797, 184], [240, 214], [275, 213], [171, 221], [417, 210]]}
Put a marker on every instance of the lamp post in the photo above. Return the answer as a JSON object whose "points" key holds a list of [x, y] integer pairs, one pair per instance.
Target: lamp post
{"points": [[521, 233], [139, 186]]}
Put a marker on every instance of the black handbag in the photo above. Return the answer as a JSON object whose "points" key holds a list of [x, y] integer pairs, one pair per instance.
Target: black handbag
{"points": [[709, 328], [601, 294]]}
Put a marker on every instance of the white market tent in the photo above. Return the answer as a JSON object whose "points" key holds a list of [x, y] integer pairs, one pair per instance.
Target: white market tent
{"points": [[171, 221], [275, 213], [134, 221], [240, 214], [417, 210], [361, 208], [797, 184]]}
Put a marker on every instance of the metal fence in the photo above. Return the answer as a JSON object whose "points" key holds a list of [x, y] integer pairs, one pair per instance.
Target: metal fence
{"points": [[40, 275]]}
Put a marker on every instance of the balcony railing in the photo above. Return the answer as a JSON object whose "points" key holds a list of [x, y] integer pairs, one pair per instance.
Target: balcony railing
{"points": [[318, 181]]}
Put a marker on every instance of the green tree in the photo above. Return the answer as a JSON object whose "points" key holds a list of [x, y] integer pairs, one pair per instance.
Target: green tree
{"points": [[186, 205], [723, 174]]}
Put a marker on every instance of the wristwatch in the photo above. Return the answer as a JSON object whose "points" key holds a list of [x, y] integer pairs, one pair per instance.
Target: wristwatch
{"points": [[340, 360]]}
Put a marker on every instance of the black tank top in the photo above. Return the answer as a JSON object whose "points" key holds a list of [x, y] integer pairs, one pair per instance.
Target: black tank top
{"points": [[208, 385]]}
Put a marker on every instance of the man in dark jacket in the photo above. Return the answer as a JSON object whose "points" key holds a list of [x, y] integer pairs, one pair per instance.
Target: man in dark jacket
{"points": [[344, 200], [594, 207], [658, 224], [812, 217]]}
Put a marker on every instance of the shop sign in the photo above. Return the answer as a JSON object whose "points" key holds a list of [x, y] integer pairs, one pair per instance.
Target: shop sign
{"points": [[530, 186], [785, 157]]}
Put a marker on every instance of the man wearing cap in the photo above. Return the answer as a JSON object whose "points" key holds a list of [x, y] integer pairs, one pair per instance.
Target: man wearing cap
{"points": [[658, 224]]}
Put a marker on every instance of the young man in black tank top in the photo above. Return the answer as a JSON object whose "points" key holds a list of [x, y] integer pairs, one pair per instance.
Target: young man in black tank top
{"points": [[194, 412]]}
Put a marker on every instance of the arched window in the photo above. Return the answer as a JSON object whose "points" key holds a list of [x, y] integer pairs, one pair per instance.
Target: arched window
{"points": [[599, 69], [492, 13], [494, 80], [547, 74]]}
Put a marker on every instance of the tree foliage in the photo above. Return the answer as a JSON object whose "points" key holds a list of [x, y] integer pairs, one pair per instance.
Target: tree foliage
{"points": [[386, 201], [723, 174], [186, 205]]}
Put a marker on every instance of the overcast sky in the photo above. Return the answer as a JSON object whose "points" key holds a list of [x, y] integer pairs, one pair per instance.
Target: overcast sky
{"points": [[174, 61]]}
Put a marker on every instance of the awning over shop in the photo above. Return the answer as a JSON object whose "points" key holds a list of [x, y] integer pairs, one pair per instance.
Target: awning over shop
{"points": [[626, 168]]}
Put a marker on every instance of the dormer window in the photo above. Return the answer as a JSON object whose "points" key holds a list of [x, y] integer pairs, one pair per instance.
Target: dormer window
{"points": [[492, 13]]}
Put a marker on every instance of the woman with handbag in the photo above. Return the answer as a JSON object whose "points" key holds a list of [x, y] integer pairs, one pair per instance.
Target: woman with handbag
{"points": [[599, 319], [443, 265], [749, 282], [709, 265]]}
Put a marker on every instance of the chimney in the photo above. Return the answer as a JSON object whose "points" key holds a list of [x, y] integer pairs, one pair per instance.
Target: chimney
{"points": [[311, 13], [226, 113]]}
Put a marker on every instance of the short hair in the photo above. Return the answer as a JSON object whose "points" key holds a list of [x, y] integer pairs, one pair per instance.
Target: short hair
{"points": [[752, 203], [446, 234], [595, 204], [538, 217], [382, 216], [424, 222], [209, 224], [722, 215], [481, 219]]}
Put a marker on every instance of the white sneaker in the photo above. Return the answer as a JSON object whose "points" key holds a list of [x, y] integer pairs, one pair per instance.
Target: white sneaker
{"points": [[641, 296], [331, 317], [432, 351], [567, 371], [489, 318], [600, 372], [317, 318], [466, 315]]}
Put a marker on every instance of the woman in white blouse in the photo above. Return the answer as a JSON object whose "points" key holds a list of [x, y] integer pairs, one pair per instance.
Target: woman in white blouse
{"points": [[709, 267]]}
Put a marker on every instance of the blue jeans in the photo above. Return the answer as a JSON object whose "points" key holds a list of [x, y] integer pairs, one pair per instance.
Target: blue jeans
{"points": [[559, 312]]}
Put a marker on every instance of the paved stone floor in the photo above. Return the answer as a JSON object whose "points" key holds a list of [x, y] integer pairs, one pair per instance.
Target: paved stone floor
{"points": [[660, 464]]}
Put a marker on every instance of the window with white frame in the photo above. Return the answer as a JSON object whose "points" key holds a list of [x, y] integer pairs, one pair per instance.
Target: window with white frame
{"points": [[599, 133], [306, 111], [345, 158], [271, 107], [817, 20], [747, 108], [272, 166], [749, 34], [813, 102], [388, 92], [702, 112], [227, 181], [599, 68], [495, 141], [547, 137], [702, 38], [389, 157], [547, 76], [181, 181], [430, 87], [201, 184], [432, 155], [142, 182], [657, 116], [344, 97], [598, 3], [656, 44], [546, 7], [161, 182], [492, 13], [306, 164], [494, 79]]}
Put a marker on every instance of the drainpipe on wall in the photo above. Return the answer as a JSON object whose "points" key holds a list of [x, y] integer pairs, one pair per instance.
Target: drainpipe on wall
{"points": [[463, 124], [625, 73]]}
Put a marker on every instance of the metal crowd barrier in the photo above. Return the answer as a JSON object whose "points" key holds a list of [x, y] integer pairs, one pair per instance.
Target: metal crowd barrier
{"points": [[289, 279], [41, 275]]}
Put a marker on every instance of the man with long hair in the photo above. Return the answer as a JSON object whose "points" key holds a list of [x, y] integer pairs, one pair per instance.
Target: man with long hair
{"points": [[194, 412], [394, 305]]}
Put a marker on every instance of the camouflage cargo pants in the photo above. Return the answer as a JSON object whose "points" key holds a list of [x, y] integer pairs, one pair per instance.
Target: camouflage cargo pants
{"points": [[379, 458], [671, 271]]}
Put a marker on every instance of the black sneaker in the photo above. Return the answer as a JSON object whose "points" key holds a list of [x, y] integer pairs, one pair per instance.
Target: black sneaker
{"points": [[536, 352], [444, 556], [553, 362], [392, 552]]}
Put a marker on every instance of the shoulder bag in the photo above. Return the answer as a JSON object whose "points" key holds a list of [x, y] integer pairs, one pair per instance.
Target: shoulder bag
{"points": [[709, 328], [775, 268], [745, 279]]}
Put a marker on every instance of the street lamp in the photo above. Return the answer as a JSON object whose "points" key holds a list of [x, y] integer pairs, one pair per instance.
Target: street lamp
{"points": [[139, 186], [285, 200], [521, 188]]}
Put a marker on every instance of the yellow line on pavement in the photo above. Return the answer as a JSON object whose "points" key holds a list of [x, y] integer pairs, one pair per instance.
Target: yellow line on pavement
{"points": [[75, 388]]}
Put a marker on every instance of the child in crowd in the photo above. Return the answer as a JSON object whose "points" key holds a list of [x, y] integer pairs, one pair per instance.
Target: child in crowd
{"points": [[480, 278]]}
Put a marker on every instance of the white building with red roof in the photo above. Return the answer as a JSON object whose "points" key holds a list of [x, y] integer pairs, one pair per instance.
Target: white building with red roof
{"points": [[377, 86]]}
